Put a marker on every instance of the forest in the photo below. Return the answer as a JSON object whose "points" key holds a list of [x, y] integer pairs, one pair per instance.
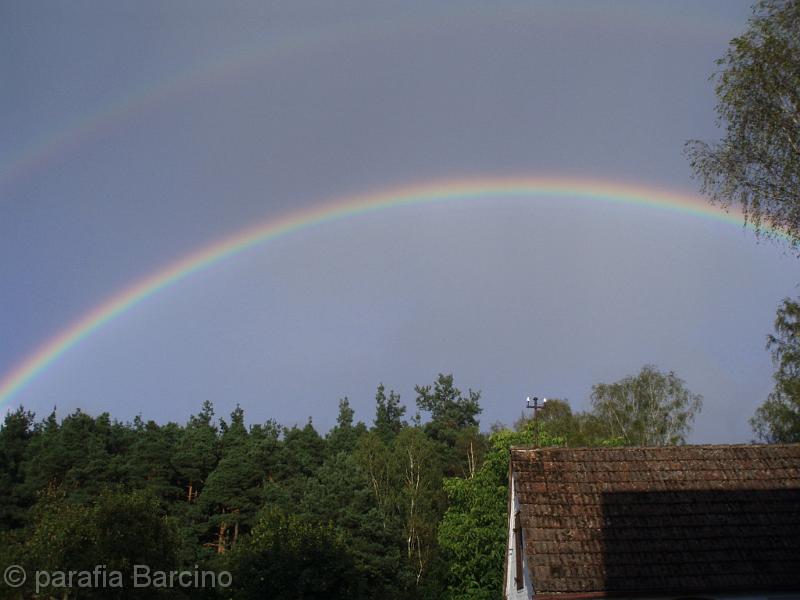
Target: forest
{"points": [[406, 507]]}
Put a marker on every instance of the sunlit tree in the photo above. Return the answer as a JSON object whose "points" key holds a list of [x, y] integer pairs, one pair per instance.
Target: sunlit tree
{"points": [[648, 409], [756, 165], [778, 418]]}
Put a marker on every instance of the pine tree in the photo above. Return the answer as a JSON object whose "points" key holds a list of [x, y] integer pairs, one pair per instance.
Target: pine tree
{"points": [[453, 422], [388, 414], [195, 454], [232, 492], [15, 435]]}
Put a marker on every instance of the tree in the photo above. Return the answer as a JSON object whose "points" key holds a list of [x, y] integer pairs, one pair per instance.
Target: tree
{"points": [[116, 531], [341, 494], [233, 489], [575, 428], [454, 421], [286, 557], [419, 499], [404, 480], [344, 436], [375, 460], [150, 458], [556, 414], [15, 433], [650, 409], [195, 455], [302, 454], [777, 420], [474, 528], [388, 414], [757, 163], [449, 409], [82, 454]]}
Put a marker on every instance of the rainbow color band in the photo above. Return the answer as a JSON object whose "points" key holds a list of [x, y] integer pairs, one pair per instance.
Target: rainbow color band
{"points": [[342, 208]]}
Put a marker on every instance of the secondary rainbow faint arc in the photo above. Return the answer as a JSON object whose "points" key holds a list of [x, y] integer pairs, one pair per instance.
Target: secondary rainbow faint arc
{"points": [[341, 208], [72, 134]]}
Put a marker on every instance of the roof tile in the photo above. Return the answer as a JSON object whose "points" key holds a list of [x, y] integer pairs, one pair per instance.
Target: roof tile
{"points": [[677, 519]]}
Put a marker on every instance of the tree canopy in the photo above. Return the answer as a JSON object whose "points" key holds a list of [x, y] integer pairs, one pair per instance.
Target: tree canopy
{"points": [[649, 409], [398, 510], [778, 418], [756, 164]]}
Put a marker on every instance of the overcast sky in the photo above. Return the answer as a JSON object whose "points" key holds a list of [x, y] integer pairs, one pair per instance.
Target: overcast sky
{"points": [[135, 132]]}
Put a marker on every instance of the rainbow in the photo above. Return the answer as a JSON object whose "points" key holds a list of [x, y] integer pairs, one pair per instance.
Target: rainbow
{"points": [[342, 208], [84, 129]]}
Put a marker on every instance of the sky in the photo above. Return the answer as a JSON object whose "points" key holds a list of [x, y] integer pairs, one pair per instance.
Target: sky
{"points": [[135, 133]]}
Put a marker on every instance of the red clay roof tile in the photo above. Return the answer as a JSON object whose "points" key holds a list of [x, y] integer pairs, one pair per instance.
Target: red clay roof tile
{"points": [[678, 519]]}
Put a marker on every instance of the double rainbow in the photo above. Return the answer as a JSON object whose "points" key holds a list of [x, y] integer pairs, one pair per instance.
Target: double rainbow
{"points": [[341, 208]]}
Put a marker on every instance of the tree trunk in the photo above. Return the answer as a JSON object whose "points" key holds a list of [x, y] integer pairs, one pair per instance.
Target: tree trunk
{"points": [[235, 528], [223, 528], [471, 460]]}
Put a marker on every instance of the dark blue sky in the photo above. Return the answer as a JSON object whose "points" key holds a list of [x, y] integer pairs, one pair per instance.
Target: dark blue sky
{"points": [[136, 132]]}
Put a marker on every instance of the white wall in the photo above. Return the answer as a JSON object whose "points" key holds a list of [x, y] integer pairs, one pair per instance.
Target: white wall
{"points": [[511, 591]]}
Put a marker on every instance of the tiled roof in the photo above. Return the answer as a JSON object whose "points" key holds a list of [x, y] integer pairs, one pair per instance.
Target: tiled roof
{"points": [[676, 519]]}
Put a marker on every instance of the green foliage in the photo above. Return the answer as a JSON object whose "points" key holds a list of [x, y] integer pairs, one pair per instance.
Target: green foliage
{"points": [[757, 163], [151, 464], [118, 530], [474, 528], [232, 492], [452, 417], [577, 429], [286, 557], [393, 512], [340, 494], [195, 453], [649, 409], [777, 420], [15, 434], [375, 459], [344, 436], [388, 414], [300, 456], [82, 455], [450, 411], [417, 472], [59, 537]]}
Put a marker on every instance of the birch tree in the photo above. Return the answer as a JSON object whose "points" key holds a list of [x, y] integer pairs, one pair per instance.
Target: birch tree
{"points": [[756, 165], [777, 420], [649, 409]]}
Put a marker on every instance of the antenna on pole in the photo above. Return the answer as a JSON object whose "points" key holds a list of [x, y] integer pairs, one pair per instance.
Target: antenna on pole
{"points": [[535, 406]]}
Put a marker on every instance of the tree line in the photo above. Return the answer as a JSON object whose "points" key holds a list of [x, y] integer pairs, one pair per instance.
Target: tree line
{"points": [[403, 508]]}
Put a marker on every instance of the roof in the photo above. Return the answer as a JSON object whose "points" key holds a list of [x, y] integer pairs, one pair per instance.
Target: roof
{"points": [[668, 519]]}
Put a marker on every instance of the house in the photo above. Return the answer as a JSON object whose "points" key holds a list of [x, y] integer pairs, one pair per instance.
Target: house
{"points": [[699, 522]]}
